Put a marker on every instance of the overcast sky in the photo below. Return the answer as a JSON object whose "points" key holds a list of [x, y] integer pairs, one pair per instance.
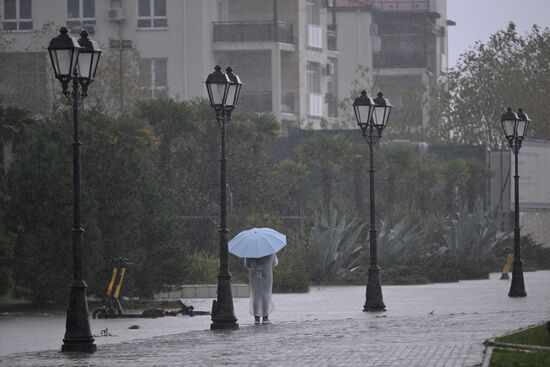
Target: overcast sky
{"points": [[478, 19]]}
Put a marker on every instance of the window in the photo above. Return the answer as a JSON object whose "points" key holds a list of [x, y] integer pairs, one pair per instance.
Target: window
{"points": [[314, 89], [154, 76], [313, 12], [17, 15], [314, 32], [81, 14], [313, 77], [152, 14]]}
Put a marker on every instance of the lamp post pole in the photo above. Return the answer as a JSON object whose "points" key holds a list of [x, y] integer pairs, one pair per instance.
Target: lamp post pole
{"points": [[374, 300], [372, 117], [515, 127], [223, 92], [76, 61], [78, 335]]}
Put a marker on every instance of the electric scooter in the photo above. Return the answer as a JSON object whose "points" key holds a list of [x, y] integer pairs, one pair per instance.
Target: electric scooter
{"points": [[113, 309]]}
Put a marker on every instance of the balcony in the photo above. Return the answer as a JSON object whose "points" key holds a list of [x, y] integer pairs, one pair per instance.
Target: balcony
{"points": [[400, 60], [253, 32], [261, 102], [256, 101], [287, 103], [331, 37], [401, 5]]}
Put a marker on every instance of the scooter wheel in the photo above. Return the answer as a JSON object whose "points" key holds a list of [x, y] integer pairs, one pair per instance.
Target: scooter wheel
{"points": [[100, 314]]}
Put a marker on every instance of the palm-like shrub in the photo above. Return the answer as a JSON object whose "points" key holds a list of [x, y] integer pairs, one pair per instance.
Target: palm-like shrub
{"points": [[471, 238], [336, 240], [403, 241]]}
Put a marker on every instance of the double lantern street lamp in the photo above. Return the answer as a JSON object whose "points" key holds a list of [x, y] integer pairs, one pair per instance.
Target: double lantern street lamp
{"points": [[372, 116], [76, 61], [515, 127], [223, 93]]}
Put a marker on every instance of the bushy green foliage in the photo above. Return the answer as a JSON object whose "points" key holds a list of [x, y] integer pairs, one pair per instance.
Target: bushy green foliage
{"points": [[150, 192], [534, 255], [292, 275], [124, 212], [201, 268], [5, 280]]}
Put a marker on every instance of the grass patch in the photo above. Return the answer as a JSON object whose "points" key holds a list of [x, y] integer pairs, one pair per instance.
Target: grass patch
{"points": [[513, 358], [537, 335]]}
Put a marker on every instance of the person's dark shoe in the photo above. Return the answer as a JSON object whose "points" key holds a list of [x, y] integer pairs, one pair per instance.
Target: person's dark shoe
{"points": [[257, 320], [266, 321]]}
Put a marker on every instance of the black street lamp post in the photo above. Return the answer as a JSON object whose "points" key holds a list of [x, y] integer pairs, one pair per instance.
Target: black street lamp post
{"points": [[77, 61], [515, 127], [372, 117], [223, 93]]}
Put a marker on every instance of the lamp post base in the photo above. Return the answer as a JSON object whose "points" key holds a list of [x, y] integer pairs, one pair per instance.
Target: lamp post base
{"points": [[517, 288], [78, 335], [229, 325], [84, 346], [374, 299], [223, 314]]}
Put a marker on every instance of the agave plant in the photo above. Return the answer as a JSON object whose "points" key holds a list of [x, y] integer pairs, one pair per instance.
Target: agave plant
{"points": [[395, 243], [336, 239], [473, 235]]}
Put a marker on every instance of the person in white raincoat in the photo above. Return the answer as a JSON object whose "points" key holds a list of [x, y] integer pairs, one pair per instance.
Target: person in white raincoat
{"points": [[260, 280]]}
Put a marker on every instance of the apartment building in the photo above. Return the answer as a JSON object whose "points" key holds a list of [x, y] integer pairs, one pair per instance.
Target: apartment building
{"points": [[285, 52], [297, 57], [402, 46], [282, 49], [172, 37]]}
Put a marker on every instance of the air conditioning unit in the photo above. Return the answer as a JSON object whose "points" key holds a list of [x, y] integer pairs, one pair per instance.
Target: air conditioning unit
{"points": [[116, 14], [329, 68]]}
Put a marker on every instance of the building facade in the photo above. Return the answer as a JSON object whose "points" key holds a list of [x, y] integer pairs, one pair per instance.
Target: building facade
{"points": [[171, 37], [401, 48], [298, 58]]}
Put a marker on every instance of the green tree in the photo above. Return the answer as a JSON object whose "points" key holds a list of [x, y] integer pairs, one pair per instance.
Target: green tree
{"points": [[326, 154], [508, 70], [125, 209]]}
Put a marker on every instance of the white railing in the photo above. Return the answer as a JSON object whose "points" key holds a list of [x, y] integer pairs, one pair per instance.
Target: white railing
{"points": [[315, 104], [314, 36]]}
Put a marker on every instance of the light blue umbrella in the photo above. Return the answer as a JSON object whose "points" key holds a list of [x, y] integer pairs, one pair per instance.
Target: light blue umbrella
{"points": [[257, 242]]}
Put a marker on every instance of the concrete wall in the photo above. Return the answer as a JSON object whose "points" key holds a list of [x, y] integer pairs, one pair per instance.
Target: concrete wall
{"points": [[355, 47]]}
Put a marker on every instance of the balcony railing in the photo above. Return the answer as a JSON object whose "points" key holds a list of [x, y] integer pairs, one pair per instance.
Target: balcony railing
{"points": [[253, 32], [401, 5], [261, 101], [256, 101], [400, 60]]}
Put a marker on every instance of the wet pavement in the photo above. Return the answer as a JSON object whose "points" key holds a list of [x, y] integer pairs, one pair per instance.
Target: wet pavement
{"points": [[427, 325]]}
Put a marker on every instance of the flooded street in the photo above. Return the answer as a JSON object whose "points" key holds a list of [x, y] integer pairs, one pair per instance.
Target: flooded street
{"points": [[453, 317]]}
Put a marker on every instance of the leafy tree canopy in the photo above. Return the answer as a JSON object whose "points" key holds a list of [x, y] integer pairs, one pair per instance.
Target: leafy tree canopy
{"points": [[509, 70]]}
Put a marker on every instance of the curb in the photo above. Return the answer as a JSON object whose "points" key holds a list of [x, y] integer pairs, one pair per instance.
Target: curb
{"points": [[534, 348]]}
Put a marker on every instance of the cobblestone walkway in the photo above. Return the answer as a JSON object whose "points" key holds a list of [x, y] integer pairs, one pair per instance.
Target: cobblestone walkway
{"points": [[461, 317]]}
